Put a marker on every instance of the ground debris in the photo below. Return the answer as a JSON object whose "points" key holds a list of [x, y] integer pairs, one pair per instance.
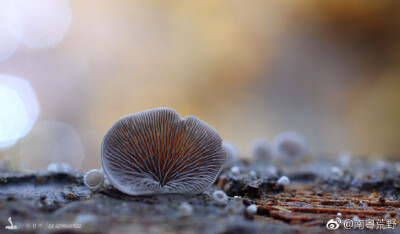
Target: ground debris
{"points": [[305, 205]]}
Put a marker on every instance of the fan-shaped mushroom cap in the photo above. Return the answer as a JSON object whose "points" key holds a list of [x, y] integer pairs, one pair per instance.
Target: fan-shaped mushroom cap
{"points": [[156, 151]]}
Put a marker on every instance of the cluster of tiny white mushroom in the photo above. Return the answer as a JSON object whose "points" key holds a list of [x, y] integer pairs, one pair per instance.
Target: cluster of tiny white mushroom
{"points": [[287, 146]]}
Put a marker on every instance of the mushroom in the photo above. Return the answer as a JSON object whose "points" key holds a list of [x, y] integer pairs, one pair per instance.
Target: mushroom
{"points": [[94, 180], [261, 150], [252, 209], [185, 210], [6, 164], [290, 146], [220, 197], [156, 152], [235, 172], [345, 158], [284, 180], [230, 149], [59, 167]]}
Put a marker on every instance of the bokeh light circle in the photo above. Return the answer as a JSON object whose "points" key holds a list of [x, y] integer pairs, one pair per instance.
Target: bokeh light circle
{"points": [[8, 43], [51, 142], [39, 23], [19, 109]]}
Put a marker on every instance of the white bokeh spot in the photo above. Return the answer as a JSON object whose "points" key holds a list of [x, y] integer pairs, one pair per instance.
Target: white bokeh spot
{"points": [[19, 109], [8, 43], [39, 23]]}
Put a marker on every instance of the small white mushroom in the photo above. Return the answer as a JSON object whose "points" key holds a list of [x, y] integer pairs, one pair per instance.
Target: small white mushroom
{"points": [[345, 158], [235, 171], [59, 167], [397, 166], [6, 164], [290, 146], [64, 167], [220, 197], [252, 209], [231, 152], [336, 171], [284, 180], [94, 180], [53, 167], [271, 170], [261, 150], [253, 173], [185, 210]]}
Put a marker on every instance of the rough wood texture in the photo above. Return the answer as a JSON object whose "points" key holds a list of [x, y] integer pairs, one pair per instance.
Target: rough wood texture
{"points": [[51, 200]]}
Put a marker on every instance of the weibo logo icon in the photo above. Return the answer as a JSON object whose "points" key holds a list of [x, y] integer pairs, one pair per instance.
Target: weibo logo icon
{"points": [[333, 224]]}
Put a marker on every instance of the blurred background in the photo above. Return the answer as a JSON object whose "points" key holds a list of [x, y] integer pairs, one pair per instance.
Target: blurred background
{"points": [[69, 69]]}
